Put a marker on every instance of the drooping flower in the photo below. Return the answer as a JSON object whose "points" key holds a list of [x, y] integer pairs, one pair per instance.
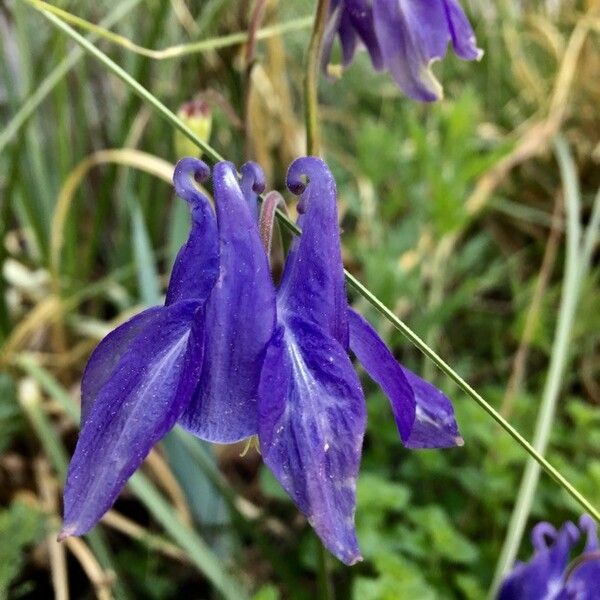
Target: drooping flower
{"points": [[228, 357], [547, 575], [312, 412], [143, 377], [403, 36]]}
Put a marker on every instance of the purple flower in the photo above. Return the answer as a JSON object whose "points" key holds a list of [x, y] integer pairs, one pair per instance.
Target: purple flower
{"points": [[311, 406], [548, 576], [403, 36], [228, 357], [197, 359]]}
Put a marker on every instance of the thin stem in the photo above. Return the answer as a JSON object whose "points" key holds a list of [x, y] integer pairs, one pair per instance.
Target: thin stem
{"points": [[326, 591], [558, 361], [213, 155], [467, 389], [311, 78]]}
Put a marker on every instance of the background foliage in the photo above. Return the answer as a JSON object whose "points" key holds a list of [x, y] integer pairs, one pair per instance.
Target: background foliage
{"points": [[452, 215]]}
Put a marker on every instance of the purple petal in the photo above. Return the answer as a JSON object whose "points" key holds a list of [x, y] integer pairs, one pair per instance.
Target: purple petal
{"points": [[240, 318], [583, 583], [463, 38], [360, 15], [312, 284], [424, 415], [311, 425], [196, 266], [331, 30], [348, 38], [108, 353], [252, 184], [413, 34], [134, 409], [407, 60], [381, 365], [542, 576]]}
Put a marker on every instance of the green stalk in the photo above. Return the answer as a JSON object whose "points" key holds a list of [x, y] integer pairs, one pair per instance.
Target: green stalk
{"points": [[576, 268], [311, 78], [326, 590], [350, 279]]}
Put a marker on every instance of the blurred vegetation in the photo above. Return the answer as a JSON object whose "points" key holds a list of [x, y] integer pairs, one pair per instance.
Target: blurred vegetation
{"points": [[452, 215]]}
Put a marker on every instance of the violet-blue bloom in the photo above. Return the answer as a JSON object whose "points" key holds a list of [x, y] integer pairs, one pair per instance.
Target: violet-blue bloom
{"points": [[144, 375], [548, 576], [311, 406], [229, 357], [403, 36]]}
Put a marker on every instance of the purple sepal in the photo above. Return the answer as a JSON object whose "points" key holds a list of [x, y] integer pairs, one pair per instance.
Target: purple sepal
{"points": [[424, 415], [312, 413], [543, 575], [435, 424], [240, 318], [136, 406], [311, 425], [108, 353], [403, 37]]}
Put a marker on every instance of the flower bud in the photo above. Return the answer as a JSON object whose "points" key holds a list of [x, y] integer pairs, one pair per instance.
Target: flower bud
{"points": [[197, 115]]}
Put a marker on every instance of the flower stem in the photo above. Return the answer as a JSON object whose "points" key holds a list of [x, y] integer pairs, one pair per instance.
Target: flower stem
{"points": [[325, 584], [213, 155], [311, 78]]}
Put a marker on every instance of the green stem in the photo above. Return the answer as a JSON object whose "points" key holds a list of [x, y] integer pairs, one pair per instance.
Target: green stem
{"points": [[575, 270], [325, 584], [311, 78], [213, 155]]}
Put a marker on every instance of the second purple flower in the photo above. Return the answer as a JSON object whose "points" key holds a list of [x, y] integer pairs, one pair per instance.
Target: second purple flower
{"points": [[403, 36]]}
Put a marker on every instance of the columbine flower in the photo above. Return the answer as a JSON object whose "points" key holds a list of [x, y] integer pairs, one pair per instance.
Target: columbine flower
{"points": [[311, 406], [403, 36], [228, 357], [218, 316], [548, 575]]}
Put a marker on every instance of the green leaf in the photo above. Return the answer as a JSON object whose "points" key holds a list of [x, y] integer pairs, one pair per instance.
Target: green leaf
{"points": [[398, 578], [446, 540], [23, 526], [376, 494]]}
